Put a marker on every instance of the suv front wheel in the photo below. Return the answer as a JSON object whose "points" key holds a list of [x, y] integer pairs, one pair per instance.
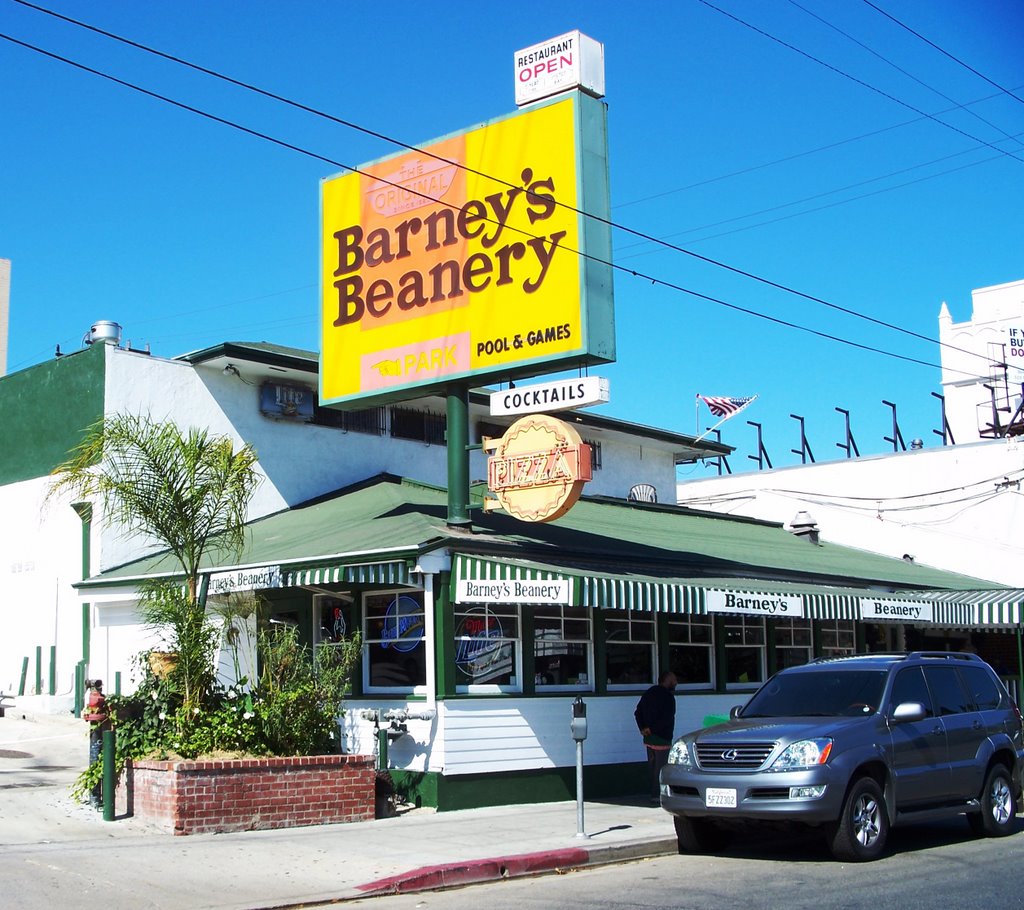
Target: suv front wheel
{"points": [[700, 835], [998, 805], [863, 827]]}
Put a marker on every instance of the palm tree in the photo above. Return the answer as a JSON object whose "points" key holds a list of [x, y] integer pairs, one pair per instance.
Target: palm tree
{"points": [[186, 490]]}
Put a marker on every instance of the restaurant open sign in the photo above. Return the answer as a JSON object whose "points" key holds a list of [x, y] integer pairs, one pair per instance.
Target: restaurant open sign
{"points": [[469, 258]]}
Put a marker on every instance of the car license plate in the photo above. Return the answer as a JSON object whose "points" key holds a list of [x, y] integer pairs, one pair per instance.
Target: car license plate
{"points": [[719, 796]]}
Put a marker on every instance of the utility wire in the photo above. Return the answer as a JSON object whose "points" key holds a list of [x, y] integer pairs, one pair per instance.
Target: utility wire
{"points": [[797, 155], [640, 234], [292, 147], [852, 78], [841, 189], [900, 69], [831, 205], [944, 52]]}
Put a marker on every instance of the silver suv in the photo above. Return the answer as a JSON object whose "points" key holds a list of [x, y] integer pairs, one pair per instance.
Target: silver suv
{"points": [[854, 745]]}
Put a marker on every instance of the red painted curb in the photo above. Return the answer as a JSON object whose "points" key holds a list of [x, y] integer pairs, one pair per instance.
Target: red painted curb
{"points": [[482, 870]]}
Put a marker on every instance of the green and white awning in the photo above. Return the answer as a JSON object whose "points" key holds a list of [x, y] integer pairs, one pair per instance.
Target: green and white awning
{"points": [[619, 591], [998, 607], [394, 572], [609, 591]]}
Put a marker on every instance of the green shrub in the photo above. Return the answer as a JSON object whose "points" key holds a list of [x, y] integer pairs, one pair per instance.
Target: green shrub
{"points": [[292, 709]]}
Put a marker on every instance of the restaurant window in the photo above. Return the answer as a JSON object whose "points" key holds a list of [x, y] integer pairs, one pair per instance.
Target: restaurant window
{"points": [[691, 653], [562, 651], [629, 648], [487, 648], [792, 642], [837, 637], [744, 651], [393, 645], [330, 619]]}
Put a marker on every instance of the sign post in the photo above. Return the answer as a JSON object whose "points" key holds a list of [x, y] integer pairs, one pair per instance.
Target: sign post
{"points": [[457, 412]]}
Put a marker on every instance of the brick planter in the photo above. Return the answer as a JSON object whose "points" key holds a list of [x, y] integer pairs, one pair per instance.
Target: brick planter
{"points": [[205, 797]]}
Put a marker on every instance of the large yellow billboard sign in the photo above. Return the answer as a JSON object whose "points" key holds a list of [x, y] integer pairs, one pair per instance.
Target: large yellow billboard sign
{"points": [[469, 258]]}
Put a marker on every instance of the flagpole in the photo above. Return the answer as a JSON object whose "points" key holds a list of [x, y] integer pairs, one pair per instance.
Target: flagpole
{"points": [[724, 419], [715, 427]]}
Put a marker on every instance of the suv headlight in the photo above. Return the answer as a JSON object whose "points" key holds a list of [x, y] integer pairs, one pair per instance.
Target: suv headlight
{"points": [[679, 754], [804, 754]]}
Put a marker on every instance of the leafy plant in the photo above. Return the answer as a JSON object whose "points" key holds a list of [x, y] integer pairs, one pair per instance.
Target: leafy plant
{"points": [[187, 633], [300, 690], [187, 489], [292, 709]]}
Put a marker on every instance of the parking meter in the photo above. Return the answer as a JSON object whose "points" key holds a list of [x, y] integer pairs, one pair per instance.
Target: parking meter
{"points": [[579, 720]]}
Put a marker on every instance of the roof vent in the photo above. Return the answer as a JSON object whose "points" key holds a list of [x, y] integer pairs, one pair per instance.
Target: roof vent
{"points": [[103, 333], [804, 526]]}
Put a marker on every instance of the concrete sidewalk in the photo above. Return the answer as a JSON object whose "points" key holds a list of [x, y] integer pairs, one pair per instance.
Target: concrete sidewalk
{"points": [[57, 850]]}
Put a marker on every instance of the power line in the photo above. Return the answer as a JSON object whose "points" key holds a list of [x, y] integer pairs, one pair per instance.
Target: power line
{"points": [[900, 69], [795, 156], [639, 234], [634, 232], [841, 189], [852, 78], [944, 52]]}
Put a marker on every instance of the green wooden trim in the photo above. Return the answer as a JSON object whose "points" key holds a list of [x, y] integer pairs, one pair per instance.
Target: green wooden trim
{"points": [[527, 632], [600, 653], [474, 791], [719, 632], [771, 658], [444, 630], [84, 512]]}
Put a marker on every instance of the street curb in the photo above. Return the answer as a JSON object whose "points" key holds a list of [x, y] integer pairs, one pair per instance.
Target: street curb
{"points": [[472, 872]]}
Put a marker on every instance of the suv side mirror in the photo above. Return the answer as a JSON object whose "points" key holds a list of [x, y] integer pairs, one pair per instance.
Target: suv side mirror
{"points": [[734, 711], [908, 712]]}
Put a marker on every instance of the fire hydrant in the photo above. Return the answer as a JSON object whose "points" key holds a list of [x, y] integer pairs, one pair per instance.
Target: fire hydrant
{"points": [[95, 712]]}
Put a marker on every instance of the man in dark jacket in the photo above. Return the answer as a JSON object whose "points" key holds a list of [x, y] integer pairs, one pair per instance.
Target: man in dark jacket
{"points": [[656, 718]]}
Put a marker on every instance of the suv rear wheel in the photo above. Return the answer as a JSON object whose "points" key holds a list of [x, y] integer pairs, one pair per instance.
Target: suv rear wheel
{"points": [[863, 827], [998, 805], [699, 835]]}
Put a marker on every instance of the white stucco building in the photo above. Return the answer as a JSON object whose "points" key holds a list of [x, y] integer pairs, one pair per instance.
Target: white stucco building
{"points": [[958, 507], [983, 364], [229, 389]]}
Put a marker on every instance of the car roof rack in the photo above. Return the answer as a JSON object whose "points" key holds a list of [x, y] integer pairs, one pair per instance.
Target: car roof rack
{"points": [[870, 655], [944, 655]]}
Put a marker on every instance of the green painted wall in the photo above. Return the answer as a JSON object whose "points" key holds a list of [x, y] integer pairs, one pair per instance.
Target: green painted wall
{"points": [[505, 788], [45, 409]]}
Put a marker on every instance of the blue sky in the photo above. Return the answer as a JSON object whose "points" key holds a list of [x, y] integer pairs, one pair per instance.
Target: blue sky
{"points": [[878, 177]]}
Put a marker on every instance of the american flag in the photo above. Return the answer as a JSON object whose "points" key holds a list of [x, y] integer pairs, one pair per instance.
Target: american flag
{"points": [[725, 407]]}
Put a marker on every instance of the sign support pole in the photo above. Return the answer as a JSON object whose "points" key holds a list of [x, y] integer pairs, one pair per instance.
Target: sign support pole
{"points": [[457, 412]]}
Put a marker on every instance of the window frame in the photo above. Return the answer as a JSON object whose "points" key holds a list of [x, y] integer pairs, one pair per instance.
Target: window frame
{"points": [[788, 624], [688, 621], [386, 596], [587, 616], [501, 611], [631, 618], [745, 622]]}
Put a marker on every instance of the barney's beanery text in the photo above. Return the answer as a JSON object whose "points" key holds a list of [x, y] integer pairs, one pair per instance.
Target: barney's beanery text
{"points": [[508, 257]]}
